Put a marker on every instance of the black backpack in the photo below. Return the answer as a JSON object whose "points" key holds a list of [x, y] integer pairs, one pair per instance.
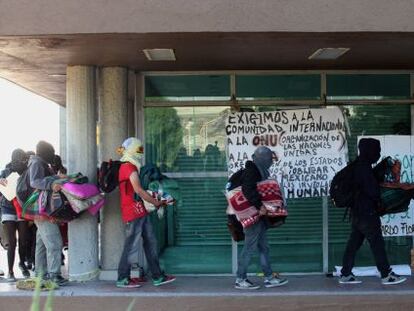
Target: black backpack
{"points": [[342, 190], [108, 175], [23, 189], [148, 173]]}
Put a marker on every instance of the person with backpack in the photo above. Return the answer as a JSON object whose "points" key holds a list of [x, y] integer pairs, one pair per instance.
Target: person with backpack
{"points": [[366, 223], [48, 237], [11, 222], [255, 235], [136, 217]]}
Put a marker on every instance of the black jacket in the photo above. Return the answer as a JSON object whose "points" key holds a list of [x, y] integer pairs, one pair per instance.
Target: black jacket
{"points": [[367, 186], [248, 180], [368, 190]]}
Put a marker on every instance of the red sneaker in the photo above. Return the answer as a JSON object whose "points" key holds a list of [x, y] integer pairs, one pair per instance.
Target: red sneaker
{"points": [[126, 283], [140, 280]]}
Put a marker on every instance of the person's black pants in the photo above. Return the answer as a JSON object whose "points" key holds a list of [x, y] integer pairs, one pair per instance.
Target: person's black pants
{"points": [[369, 228], [11, 227]]}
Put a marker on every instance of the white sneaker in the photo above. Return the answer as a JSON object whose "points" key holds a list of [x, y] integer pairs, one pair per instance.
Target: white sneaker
{"points": [[350, 279], [274, 281], [245, 284], [1, 272], [393, 278]]}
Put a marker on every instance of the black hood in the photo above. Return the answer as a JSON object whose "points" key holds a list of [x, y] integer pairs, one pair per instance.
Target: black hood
{"points": [[19, 161], [369, 150], [45, 151]]}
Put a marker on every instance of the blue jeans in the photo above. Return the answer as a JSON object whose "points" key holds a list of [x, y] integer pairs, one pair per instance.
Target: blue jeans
{"points": [[255, 239], [134, 229], [48, 249]]}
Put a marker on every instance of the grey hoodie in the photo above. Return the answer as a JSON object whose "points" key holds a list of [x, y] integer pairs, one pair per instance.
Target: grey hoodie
{"points": [[38, 172]]}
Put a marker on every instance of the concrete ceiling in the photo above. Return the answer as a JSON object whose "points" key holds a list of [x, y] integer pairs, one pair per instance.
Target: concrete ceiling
{"points": [[39, 63]]}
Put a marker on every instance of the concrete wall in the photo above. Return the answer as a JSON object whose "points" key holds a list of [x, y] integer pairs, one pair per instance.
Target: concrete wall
{"points": [[140, 16]]}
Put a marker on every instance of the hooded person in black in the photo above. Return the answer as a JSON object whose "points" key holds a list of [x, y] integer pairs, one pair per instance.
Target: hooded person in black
{"points": [[366, 224], [255, 235], [10, 220]]}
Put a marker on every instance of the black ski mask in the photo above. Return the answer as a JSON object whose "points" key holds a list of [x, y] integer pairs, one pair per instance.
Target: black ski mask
{"points": [[45, 151]]}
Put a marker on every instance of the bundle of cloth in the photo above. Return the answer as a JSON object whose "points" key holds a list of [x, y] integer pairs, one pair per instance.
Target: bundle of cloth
{"points": [[247, 214], [395, 195], [76, 196], [165, 190]]}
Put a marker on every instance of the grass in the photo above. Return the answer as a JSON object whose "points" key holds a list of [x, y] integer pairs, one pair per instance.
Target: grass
{"points": [[35, 306], [36, 297]]}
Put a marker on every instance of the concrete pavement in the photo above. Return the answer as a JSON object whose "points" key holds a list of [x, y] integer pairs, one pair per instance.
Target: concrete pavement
{"points": [[217, 293]]}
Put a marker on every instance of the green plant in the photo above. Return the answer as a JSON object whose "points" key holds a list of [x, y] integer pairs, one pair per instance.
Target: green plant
{"points": [[36, 297]]}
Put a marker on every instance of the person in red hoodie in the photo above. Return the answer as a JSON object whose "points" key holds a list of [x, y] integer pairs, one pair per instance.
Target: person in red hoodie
{"points": [[136, 217]]}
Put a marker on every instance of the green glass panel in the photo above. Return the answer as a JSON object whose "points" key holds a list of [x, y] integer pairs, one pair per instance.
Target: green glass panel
{"points": [[369, 120], [288, 87], [187, 87], [186, 139], [296, 246], [368, 86], [197, 259]]}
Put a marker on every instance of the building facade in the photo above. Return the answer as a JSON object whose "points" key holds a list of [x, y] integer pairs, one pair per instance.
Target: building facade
{"points": [[89, 58]]}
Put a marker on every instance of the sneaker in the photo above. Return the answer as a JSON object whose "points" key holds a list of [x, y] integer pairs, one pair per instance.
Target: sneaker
{"points": [[350, 279], [139, 280], [10, 277], [274, 281], [393, 278], [29, 265], [24, 269], [165, 279], [245, 284], [127, 283], [59, 280]]}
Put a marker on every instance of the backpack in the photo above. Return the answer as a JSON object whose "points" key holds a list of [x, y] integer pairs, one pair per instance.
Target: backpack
{"points": [[23, 189], [59, 208], [148, 173], [108, 175], [342, 191]]}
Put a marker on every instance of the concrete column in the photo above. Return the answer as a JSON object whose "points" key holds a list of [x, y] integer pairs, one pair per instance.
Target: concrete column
{"points": [[139, 106], [62, 134], [81, 157], [131, 103], [112, 130]]}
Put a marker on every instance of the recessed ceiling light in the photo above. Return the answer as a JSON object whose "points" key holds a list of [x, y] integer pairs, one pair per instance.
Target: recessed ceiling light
{"points": [[159, 54], [328, 53], [57, 75]]}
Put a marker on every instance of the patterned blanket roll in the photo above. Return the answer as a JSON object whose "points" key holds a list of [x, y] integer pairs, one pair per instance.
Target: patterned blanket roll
{"points": [[248, 214]]}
